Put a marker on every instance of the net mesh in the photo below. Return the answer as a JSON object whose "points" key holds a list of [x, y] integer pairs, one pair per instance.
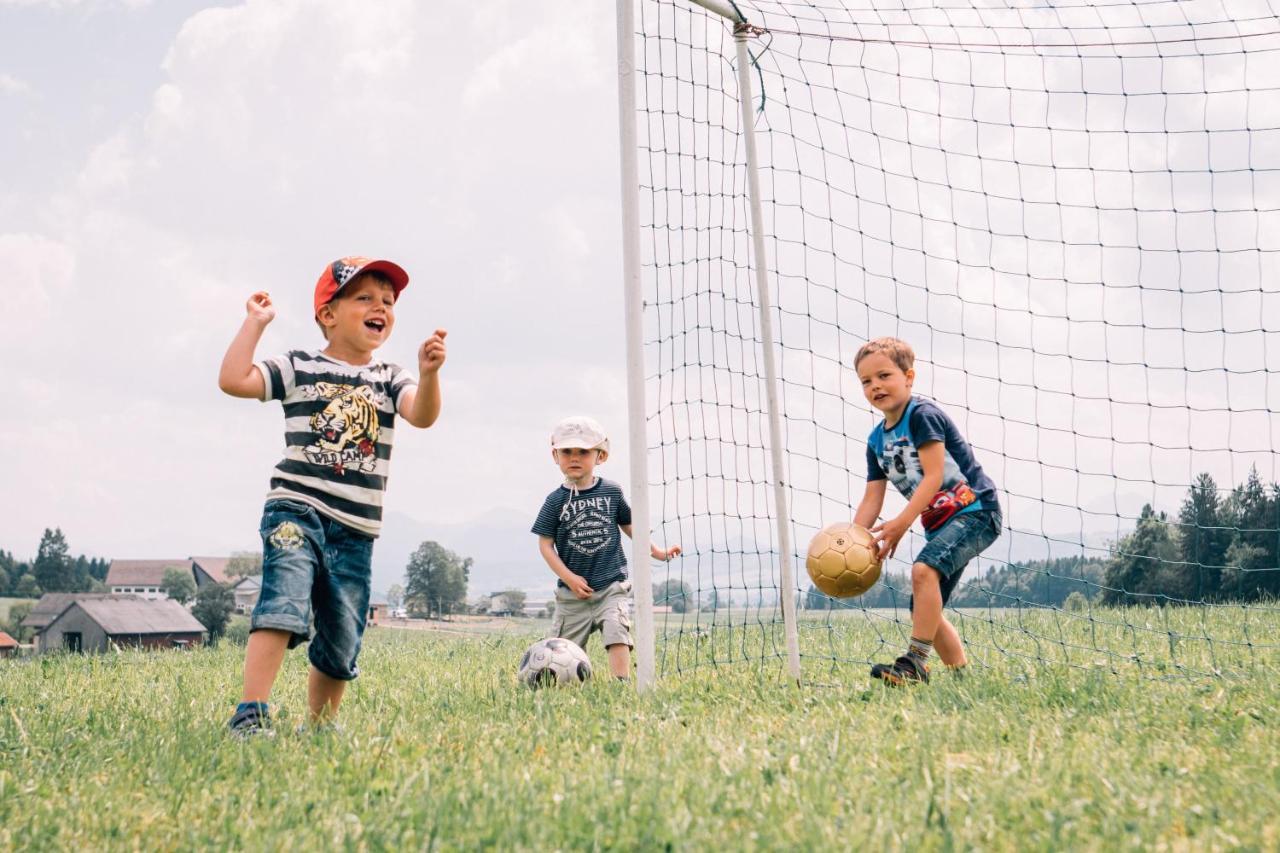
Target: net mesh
{"points": [[1072, 213]]}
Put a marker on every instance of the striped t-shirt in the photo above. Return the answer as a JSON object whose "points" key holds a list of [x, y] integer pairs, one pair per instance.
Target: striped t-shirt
{"points": [[339, 423]]}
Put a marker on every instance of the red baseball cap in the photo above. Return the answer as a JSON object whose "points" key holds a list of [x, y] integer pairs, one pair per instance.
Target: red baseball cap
{"points": [[339, 274]]}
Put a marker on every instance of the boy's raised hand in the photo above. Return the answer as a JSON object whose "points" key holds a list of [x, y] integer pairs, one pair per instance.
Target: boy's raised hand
{"points": [[578, 586], [667, 555], [431, 354], [259, 308]]}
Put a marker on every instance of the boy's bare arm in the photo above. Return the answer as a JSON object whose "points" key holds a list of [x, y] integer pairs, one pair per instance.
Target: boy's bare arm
{"points": [[420, 406], [238, 375], [872, 503], [576, 583], [656, 552]]}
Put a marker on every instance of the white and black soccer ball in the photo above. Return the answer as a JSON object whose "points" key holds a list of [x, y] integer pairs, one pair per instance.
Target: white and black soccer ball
{"points": [[554, 661]]}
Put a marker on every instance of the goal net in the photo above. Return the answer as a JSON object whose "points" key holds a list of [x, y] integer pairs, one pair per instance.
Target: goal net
{"points": [[1072, 213]]}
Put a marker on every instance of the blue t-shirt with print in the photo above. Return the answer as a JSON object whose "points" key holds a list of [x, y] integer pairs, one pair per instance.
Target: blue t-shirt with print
{"points": [[893, 454], [584, 525]]}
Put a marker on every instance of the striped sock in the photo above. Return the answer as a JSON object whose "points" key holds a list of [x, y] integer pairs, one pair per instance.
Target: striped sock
{"points": [[919, 650]]}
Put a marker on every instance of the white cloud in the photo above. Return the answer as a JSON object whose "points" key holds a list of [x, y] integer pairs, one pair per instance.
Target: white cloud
{"points": [[109, 166], [278, 136], [37, 271], [10, 85], [72, 4]]}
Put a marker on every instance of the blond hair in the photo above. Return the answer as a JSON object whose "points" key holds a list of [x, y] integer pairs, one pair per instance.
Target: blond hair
{"points": [[895, 349]]}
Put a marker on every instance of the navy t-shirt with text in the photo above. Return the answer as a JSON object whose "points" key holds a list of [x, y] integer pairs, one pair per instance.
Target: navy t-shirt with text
{"points": [[585, 529], [893, 453]]}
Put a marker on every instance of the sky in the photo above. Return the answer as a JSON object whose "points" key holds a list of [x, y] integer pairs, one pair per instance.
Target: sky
{"points": [[1081, 244], [1089, 281], [161, 161]]}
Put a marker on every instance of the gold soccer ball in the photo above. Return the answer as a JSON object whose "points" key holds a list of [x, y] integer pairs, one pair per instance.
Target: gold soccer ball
{"points": [[842, 560]]}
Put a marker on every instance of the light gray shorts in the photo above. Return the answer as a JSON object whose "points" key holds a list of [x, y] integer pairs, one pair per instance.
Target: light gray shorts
{"points": [[607, 610]]}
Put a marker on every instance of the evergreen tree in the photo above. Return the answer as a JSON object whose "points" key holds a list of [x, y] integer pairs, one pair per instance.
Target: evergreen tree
{"points": [[1203, 540], [1134, 574], [53, 569], [1254, 553]]}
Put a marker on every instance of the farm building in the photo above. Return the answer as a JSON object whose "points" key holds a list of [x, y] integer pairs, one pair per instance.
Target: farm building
{"points": [[8, 645], [247, 592], [95, 625], [210, 570], [145, 578], [48, 608]]}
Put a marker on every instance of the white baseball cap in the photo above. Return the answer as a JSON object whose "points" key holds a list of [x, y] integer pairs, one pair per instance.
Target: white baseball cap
{"points": [[579, 431]]}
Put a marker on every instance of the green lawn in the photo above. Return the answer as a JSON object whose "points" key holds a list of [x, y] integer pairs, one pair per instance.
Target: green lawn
{"points": [[442, 750]]}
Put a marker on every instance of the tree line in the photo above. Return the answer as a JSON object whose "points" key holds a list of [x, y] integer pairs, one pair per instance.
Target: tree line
{"points": [[1218, 548], [53, 570]]}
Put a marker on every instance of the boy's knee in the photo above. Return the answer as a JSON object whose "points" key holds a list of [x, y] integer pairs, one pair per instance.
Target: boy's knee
{"points": [[924, 576]]}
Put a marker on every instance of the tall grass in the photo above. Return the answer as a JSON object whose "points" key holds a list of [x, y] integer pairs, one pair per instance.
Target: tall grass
{"points": [[441, 750]]}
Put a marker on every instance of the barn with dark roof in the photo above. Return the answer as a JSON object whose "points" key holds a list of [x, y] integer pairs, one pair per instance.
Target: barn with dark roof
{"points": [[96, 625]]}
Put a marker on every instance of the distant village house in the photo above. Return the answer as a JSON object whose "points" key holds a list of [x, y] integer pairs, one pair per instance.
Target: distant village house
{"points": [[98, 624], [48, 608], [145, 578], [246, 592]]}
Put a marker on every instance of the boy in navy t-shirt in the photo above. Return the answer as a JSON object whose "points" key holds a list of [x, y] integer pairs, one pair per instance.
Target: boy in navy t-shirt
{"points": [[578, 536], [919, 449]]}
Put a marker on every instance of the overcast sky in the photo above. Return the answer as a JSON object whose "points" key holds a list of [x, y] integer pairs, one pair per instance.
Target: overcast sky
{"points": [[160, 161]]}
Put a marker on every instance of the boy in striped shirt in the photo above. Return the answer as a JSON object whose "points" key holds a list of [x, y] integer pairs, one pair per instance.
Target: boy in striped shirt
{"points": [[324, 507]]}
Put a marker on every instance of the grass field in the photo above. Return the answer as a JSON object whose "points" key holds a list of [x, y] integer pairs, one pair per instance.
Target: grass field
{"points": [[441, 750]]}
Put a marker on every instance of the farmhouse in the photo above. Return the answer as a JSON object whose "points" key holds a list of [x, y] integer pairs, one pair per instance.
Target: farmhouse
{"points": [[8, 645], [247, 592], [98, 624], [50, 605], [145, 578], [209, 570]]}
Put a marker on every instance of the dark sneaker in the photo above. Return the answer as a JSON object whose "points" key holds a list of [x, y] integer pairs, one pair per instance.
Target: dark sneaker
{"points": [[251, 719], [904, 670]]}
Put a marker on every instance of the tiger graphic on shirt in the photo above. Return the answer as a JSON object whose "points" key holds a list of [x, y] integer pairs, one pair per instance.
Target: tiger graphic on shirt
{"points": [[346, 429]]}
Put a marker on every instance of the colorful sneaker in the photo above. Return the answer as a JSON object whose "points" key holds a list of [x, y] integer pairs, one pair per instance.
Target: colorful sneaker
{"points": [[904, 670], [251, 719]]}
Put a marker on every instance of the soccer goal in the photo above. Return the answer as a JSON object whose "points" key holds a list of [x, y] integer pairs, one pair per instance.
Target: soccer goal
{"points": [[1072, 213]]}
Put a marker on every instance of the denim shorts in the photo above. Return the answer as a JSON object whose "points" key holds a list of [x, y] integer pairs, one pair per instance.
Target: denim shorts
{"points": [[314, 571], [960, 540]]}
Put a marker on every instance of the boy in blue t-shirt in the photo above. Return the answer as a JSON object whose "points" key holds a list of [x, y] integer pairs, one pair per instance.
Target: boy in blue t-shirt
{"points": [[921, 451], [577, 531]]}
